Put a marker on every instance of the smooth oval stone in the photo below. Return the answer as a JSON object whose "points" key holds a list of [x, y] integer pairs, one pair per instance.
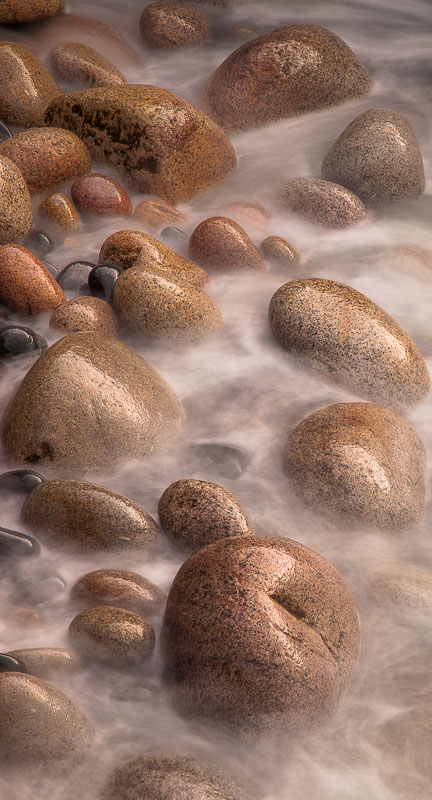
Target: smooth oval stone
{"points": [[21, 481], [194, 513], [102, 279], [81, 64], [156, 305], [406, 586], [29, 10], [47, 157], [157, 776], [74, 275], [16, 340], [85, 314], [5, 133], [13, 543], [260, 634], [25, 283], [122, 407], [10, 663], [98, 194], [156, 214], [310, 317], [322, 202], [229, 461], [86, 518], [27, 87], [378, 157], [358, 462], [39, 724], [173, 237], [37, 583], [59, 210], [137, 129], [113, 636], [248, 214], [16, 211], [279, 251], [38, 242], [291, 70], [220, 243], [50, 267], [48, 663], [166, 25], [129, 248], [116, 587]]}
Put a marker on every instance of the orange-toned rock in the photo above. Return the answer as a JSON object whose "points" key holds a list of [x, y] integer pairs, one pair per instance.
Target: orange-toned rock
{"points": [[16, 211], [167, 25], [59, 210], [25, 283], [26, 86], [116, 587], [85, 314], [81, 64], [156, 215], [28, 10], [222, 244], [247, 214], [98, 194]]}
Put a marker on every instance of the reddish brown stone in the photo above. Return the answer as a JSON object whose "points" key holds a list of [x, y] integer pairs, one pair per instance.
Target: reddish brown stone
{"points": [[99, 194], [113, 636], [322, 202], [279, 251], [166, 25], [81, 64], [116, 587], [222, 244], [26, 86], [28, 10], [16, 211], [25, 283], [59, 210], [85, 314], [156, 215]]}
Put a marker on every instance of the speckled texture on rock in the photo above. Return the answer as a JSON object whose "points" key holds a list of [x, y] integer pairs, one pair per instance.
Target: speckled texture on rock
{"points": [[16, 212], [359, 462], [39, 724], [96, 193], [85, 314], [59, 210], [83, 517], [48, 663], [116, 587], [28, 10], [403, 585], [89, 404], [279, 251], [259, 634], [113, 636], [338, 331], [25, 283], [155, 304], [47, 157], [378, 157], [164, 145], [194, 513], [161, 776], [81, 64], [156, 215], [322, 202], [130, 248], [26, 87], [166, 25], [221, 243], [87, 30], [291, 70]]}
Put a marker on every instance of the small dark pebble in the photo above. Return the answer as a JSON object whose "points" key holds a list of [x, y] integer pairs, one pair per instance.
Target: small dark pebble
{"points": [[13, 543], [101, 280], [227, 460], [22, 481], [38, 242], [173, 237], [50, 267], [37, 583], [74, 275], [11, 664], [5, 133], [16, 340]]}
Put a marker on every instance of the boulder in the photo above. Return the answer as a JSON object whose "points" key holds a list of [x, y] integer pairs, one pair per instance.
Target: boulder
{"points": [[98, 194], [85, 314], [112, 636], [16, 211], [221, 243], [322, 202], [59, 211], [48, 663], [25, 283], [117, 587], [167, 25], [26, 87], [28, 10], [78, 63], [156, 215], [279, 251], [403, 585]]}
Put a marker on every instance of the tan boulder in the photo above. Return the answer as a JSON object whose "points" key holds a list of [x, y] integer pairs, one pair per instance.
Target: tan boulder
{"points": [[26, 86], [25, 283], [16, 211], [29, 10], [81, 64]]}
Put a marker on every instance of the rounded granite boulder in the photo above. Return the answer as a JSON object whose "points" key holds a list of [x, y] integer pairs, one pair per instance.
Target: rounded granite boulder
{"points": [[78, 63], [279, 251], [112, 636], [358, 462], [48, 663], [16, 211], [322, 202], [338, 331], [163, 144], [260, 634], [85, 314], [88, 404], [83, 517], [117, 587], [221, 243], [95, 193], [157, 305], [378, 157], [59, 211], [194, 513], [25, 283], [39, 725], [47, 157], [291, 70], [157, 215], [406, 586], [29, 10], [26, 86], [166, 25]]}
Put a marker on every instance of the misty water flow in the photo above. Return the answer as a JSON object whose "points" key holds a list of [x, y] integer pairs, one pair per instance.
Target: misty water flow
{"points": [[240, 388]]}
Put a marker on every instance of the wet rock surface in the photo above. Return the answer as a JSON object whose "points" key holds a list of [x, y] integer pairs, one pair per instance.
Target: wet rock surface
{"points": [[17, 340], [102, 279], [322, 202], [25, 283], [221, 243], [21, 481], [85, 314], [98, 194], [48, 663], [83, 65], [59, 210], [111, 635], [167, 25], [27, 86], [74, 275], [279, 251], [16, 212], [156, 215], [116, 587]]}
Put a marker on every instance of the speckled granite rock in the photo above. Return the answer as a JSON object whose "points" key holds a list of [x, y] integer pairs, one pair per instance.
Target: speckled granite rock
{"points": [[47, 156], [194, 513], [16, 212], [154, 304], [129, 248], [222, 244], [113, 636], [86, 518], [311, 318], [137, 129], [378, 157], [322, 202], [279, 251], [166, 25], [28, 10], [85, 314], [291, 70], [81, 64], [248, 214], [48, 663], [403, 585], [26, 87], [25, 283], [116, 587], [413, 259], [156, 215], [160, 776], [259, 634], [404, 745], [95, 193], [39, 724], [359, 462], [89, 404], [59, 210]]}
